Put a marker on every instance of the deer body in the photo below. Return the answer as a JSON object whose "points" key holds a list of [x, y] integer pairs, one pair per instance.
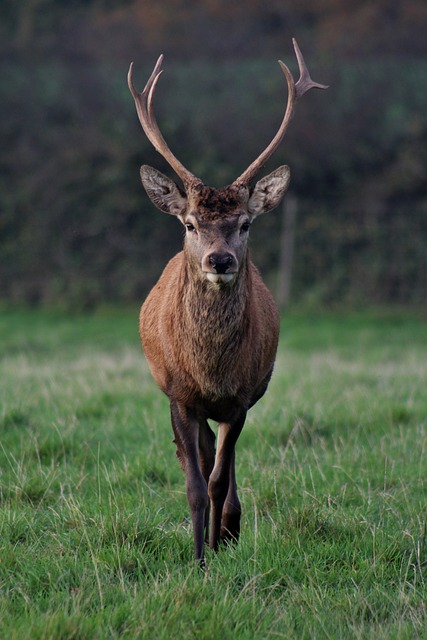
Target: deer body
{"points": [[209, 327]]}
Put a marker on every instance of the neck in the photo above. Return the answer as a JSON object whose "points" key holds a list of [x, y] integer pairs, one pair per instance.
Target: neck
{"points": [[211, 327]]}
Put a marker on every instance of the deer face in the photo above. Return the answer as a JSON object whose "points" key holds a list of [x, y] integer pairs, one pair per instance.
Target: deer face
{"points": [[216, 246], [216, 221]]}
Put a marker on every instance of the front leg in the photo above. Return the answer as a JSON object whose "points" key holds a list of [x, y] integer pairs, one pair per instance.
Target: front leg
{"points": [[219, 481], [186, 429], [232, 511], [207, 460]]}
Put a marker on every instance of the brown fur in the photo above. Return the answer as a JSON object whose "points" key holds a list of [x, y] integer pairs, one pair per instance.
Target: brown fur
{"points": [[216, 203]]}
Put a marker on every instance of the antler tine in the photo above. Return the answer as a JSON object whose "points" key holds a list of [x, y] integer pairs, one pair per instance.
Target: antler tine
{"points": [[305, 83], [295, 91], [144, 107]]}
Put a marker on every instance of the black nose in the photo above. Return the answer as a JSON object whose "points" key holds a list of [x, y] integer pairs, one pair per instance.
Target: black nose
{"points": [[221, 263]]}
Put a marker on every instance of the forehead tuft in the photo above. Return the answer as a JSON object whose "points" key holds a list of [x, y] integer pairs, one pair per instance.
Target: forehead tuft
{"points": [[213, 203]]}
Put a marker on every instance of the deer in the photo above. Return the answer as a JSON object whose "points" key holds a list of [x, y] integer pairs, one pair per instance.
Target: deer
{"points": [[210, 327]]}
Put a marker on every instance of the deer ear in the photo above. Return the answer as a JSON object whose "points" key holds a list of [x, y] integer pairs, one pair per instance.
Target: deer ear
{"points": [[269, 191], [163, 192]]}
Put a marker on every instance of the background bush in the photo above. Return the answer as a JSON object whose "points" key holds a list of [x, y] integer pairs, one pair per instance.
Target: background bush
{"points": [[75, 225]]}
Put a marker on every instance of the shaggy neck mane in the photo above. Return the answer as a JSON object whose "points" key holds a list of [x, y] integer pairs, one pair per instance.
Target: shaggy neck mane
{"points": [[213, 323]]}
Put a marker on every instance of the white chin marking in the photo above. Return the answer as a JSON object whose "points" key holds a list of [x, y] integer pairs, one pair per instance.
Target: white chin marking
{"points": [[219, 278]]}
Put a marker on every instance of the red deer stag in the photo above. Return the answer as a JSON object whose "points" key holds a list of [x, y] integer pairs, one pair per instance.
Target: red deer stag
{"points": [[209, 328]]}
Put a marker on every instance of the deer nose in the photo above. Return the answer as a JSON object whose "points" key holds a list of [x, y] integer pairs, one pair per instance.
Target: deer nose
{"points": [[221, 263]]}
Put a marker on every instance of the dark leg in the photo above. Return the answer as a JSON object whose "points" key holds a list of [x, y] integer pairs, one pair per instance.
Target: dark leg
{"points": [[207, 460], [223, 471], [232, 511], [186, 429]]}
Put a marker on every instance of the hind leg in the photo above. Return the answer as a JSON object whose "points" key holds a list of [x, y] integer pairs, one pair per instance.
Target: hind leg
{"points": [[222, 478]]}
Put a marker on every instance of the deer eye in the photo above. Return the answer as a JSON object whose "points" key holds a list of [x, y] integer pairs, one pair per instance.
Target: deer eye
{"points": [[190, 227], [245, 227]]}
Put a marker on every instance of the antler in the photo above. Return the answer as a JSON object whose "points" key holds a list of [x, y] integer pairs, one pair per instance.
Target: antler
{"points": [[295, 91], [144, 108]]}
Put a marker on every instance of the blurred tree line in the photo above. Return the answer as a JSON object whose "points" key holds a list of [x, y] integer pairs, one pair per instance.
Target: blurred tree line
{"points": [[75, 225]]}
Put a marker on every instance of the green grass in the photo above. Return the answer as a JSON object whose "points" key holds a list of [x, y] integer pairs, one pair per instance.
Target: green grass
{"points": [[95, 536]]}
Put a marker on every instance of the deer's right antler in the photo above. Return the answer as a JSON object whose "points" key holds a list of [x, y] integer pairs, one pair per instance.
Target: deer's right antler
{"points": [[144, 108]]}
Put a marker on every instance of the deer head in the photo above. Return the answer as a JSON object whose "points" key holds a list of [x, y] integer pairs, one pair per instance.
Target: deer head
{"points": [[217, 221]]}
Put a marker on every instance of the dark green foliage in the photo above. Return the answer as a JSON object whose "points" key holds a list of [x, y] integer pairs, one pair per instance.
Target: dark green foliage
{"points": [[75, 225]]}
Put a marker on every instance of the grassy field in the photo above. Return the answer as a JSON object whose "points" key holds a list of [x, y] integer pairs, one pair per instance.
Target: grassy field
{"points": [[95, 538]]}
